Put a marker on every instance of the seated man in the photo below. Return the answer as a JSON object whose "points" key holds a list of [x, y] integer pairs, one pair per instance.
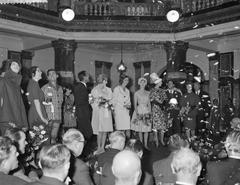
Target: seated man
{"points": [[126, 168], [54, 162], [187, 166], [8, 162], [136, 146], [162, 171], [79, 171], [218, 173], [117, 143]]}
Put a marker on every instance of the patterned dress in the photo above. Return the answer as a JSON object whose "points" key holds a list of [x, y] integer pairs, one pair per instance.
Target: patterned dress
{"points": [[142, 121], [157, 99]]}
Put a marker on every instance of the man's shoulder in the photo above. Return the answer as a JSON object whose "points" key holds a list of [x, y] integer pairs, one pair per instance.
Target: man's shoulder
{"points": [[11, 180]]}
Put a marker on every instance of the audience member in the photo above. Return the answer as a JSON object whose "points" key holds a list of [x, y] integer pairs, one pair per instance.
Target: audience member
{"points": [[203, 109], [69, 110], [162, 171], [218, 173], [117, 143], [228, 114], [12, 109], [187, 166], [78, 171], [54, 98], [126, 168], [54, 162], [82, 105], [18, 137], [136, 146], [8, 162]]}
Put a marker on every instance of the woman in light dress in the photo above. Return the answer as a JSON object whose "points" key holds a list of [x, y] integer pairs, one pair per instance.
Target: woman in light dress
{"points": [[122, 105], [141, 120], [101, 115]]}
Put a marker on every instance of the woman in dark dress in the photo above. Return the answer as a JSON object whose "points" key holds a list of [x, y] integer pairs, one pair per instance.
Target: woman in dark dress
{"points": [[37, 114]]}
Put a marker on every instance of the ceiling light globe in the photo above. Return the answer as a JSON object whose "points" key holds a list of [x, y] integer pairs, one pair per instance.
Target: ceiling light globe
{"points": [[173, 16], [68, 14]]}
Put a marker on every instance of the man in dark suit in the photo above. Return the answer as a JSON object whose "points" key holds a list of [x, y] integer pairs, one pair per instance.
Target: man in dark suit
{"points": [[78, 171], [162, 171], [219, 173], [187, 166], [203, 109], [8, 162], [54, 162], [82, 105]]}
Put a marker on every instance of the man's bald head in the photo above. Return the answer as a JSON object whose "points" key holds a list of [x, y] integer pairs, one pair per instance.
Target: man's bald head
{"points": [[126, 167]]}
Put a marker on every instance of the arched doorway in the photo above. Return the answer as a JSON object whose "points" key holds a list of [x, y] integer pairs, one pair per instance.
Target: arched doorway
{"points": [[194, 73]]}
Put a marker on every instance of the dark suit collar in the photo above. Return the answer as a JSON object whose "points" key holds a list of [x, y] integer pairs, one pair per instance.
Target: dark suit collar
{"points": [[51, 181], [85, 85]]}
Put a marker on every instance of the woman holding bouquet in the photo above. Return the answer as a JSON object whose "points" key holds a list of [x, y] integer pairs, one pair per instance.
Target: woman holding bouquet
{"points": [[122, 105], [101, 115], [141, 120]]}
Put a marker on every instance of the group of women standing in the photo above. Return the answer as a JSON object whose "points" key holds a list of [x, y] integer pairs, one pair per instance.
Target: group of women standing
{"points": [[148, 112]]}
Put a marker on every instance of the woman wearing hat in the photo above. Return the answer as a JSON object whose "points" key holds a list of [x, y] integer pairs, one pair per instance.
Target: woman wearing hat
{"points": [[157, 98], [141, 120]]}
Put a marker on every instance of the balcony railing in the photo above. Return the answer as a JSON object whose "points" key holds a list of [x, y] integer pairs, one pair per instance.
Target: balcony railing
{"points": [[139, 9]]}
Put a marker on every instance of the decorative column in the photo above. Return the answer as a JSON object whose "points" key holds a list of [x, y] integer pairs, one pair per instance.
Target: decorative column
{"points": [[214, 76], [176, 57], [64, 59]]}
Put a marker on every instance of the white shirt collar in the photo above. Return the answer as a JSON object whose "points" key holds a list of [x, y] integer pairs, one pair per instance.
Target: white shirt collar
{"points": [[84, 83], [183, 183]]}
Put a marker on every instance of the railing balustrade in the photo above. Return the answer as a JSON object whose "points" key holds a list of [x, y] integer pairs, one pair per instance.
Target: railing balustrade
{"points": [[113, 8]]}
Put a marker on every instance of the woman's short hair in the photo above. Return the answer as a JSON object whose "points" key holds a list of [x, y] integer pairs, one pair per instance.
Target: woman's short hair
{"points": [[185, 160], [101, 78], [232, 143], [33, 70], [5, 148], [71, 135], [114, 136], [122, 77], [53, 156], [134, 145]]}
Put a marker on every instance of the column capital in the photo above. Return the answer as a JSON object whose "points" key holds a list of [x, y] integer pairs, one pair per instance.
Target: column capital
{"points": [[169, 45], [25, 54], [64, 44]]}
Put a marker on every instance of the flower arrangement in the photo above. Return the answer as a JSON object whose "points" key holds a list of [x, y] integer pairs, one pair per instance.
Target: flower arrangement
{"points": [[38, 135], [144, 118], [105, 103]]}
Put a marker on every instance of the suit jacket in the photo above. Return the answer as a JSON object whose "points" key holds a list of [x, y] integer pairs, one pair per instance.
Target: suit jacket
{"points": [[12, 108], [219, 172], [83, 110], [107, 156], [162, 171], [46, 181], [79, 172], [10, 180]]}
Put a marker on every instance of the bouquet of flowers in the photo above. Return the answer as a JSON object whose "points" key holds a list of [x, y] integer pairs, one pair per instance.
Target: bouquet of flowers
{"points": [[38, 135], [103, 102], [144, 118]]}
